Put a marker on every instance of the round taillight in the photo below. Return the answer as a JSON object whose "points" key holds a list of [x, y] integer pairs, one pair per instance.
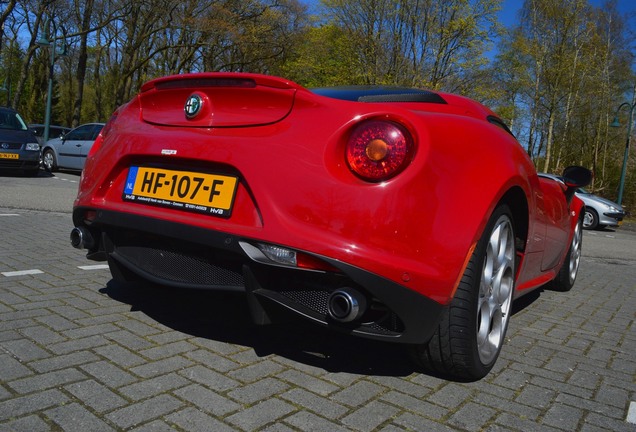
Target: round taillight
{"points": [[378, 150]]}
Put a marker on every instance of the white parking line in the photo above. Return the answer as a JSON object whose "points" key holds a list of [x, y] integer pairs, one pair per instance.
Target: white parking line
{"points": [[631, 413], [9, 214], [93, 267], [22, 272]]}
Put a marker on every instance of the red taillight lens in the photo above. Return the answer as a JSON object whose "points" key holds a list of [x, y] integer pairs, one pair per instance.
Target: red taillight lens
{"points": [[378, 150]]}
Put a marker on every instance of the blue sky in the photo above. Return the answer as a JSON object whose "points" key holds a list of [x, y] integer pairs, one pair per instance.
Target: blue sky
{"points": [[508, 15]]}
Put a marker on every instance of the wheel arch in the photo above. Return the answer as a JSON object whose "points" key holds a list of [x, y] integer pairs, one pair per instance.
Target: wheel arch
{"points": [[517, 202]]}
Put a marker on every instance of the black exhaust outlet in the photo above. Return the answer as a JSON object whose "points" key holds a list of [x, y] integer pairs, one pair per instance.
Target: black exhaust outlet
{"points": [[346, 305], [81, 238]]}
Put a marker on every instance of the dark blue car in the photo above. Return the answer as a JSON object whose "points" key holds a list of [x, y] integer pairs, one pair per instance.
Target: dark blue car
{"points": [[19, 148]]}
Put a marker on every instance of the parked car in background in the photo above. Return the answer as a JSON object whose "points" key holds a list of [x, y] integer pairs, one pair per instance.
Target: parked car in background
{"points": [[599, 212], [69, 151], [54, 131], [19, 147]]}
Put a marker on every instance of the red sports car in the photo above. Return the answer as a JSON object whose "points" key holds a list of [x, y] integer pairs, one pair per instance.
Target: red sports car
{"points": [[390, 213]]}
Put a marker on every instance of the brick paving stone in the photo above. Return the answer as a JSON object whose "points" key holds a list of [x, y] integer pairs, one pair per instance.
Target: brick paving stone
{"points": [[130, 340], [90, 330], [309, 422], [154, 426], [42, 335], [167, 337], [370, 416], [108, 373], [95, 395], [119, 355], [20, 406], [56, 322], [209, 378], [322, 406], [74, 417], [24, 350], [308, 382], [153, 386], [191, 419], [47, 380], [508, 405], [9, 335], [472, 417], [256, 371], [78, 344], [255, 391], [207, 400], [405, 386], [137, 327], [416, 423], [563, 417], [30, 423], [144, 411], [417, 406], [260, 414], [12, 369], [63, 361], [212, 360], [590, 405], [167, 350], [358, 394], [151, 369], [608, 424], [451, 395], [510, 421], [535, 396]]}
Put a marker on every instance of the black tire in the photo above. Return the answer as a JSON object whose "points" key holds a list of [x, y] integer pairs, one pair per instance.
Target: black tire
{"points": [[472, 329], [567, 274], [49, 162], [590, 219]]}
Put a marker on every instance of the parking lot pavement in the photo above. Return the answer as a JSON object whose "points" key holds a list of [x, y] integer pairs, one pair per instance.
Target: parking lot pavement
{"points": [[79, 352]]}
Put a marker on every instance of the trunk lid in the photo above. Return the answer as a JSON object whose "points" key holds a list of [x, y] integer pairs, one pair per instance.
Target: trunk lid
{"points": [[216, 100]]}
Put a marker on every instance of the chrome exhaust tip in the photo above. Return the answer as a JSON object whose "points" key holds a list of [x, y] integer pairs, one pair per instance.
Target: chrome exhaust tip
{"points": [[346, 305], [81, 238]]}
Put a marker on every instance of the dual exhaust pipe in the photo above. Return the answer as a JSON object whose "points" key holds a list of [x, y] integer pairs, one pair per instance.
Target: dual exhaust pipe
{"points": [[346, 305]]}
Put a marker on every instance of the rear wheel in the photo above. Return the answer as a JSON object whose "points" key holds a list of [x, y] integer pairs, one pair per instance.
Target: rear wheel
{"points": [[471, 332], [570, 268]]}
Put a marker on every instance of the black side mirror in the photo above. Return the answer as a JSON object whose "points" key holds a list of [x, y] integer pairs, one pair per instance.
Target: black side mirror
{"points": [[575, 177]]}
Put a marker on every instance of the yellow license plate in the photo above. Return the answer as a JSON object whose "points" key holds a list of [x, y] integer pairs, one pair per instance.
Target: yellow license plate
{"points": [[9, 156], [184, 190]]}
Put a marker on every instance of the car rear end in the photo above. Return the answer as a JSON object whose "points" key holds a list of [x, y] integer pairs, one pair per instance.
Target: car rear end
{"points": [[254, 184]]}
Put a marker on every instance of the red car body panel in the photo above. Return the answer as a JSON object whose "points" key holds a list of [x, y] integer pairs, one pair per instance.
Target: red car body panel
{"points": [[286, 146]]}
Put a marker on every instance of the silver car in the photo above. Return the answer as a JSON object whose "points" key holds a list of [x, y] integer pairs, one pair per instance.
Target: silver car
{"points": [[599, 212], [70, 150]]}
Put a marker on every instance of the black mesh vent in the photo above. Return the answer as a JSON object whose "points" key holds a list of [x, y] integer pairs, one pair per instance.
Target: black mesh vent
{"points": [[181, 268], [314, 300]]}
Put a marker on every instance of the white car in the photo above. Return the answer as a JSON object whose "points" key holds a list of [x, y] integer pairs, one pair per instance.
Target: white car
{"points": [[599, 212], [70, 150]]}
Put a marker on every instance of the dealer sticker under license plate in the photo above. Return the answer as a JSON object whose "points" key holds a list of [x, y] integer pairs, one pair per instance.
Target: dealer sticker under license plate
{"points": [[9, 156], [183, 190]]}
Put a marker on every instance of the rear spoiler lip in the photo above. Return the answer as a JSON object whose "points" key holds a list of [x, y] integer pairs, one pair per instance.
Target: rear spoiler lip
{"points": [[262, 80]]}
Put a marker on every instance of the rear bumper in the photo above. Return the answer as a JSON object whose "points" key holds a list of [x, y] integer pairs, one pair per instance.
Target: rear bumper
{"points": [[184, 256]]}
